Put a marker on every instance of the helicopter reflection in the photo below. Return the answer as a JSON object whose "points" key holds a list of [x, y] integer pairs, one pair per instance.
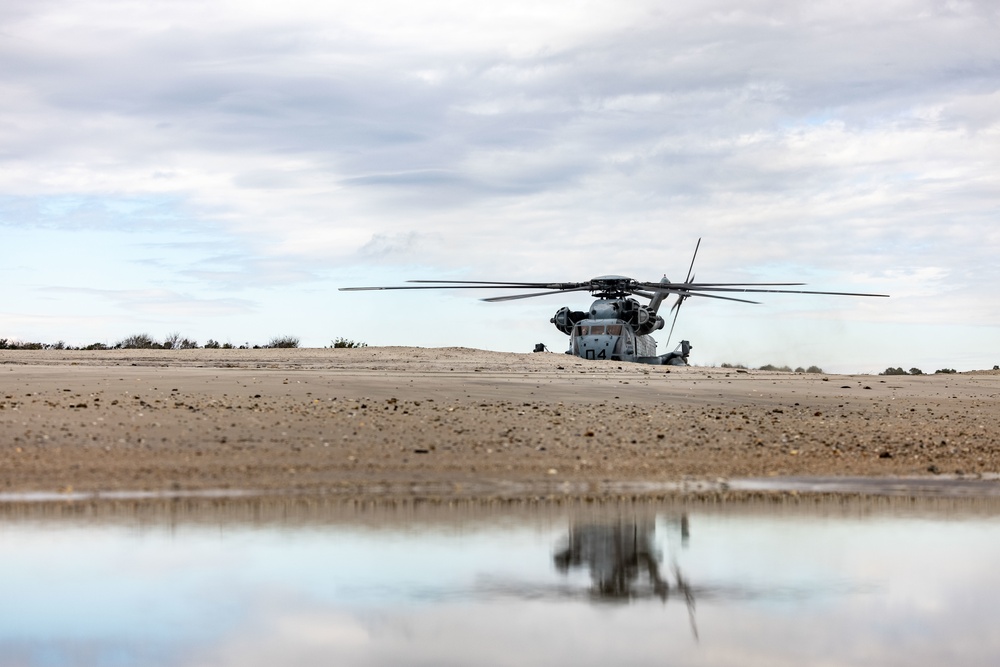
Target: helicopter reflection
{"points": [[622, 558], [623, 561]]}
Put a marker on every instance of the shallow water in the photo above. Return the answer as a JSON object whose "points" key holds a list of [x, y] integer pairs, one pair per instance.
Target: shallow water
{"points": [[687, 582]]}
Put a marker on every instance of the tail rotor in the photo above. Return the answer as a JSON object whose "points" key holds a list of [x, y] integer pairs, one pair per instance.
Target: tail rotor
{"points": [[682, 294]]}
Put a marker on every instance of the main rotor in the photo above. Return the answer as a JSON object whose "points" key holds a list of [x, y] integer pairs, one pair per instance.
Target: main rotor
{"points": [[611, 287]]}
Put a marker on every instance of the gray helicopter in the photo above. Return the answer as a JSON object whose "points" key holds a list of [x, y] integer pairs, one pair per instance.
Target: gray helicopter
{"points": [[617, 327]]}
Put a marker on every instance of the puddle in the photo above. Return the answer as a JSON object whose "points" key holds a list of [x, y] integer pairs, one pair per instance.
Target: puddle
{"points": [[252, 581]]}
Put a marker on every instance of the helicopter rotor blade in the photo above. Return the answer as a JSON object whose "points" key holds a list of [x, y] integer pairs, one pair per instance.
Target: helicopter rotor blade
{"points": [[672, 287], [500, 283], [691, 268], [749, 290], [677, 311], [558, 287], [724, 298], [692, 288], [513, 297], [676, 308]]}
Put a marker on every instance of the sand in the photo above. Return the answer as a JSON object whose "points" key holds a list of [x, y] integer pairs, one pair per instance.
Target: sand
{"points": [[442, 420]]}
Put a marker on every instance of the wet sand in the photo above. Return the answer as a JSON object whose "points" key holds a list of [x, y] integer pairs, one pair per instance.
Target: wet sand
{"points": [[440, 421]]}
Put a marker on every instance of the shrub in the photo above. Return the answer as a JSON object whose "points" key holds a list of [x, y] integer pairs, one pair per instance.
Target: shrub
{"points": [[772, 367], [7, 344], [893, 371], [175, 342], [138, 342], [945, 370], [283, 341], [729, 365], [212, 345], [916, 371], [343, 342], [814, 369]]}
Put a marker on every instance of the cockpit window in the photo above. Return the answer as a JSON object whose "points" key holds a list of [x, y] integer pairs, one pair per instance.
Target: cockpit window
{"points": [[614, 330], [581, 330], [597, 330]]}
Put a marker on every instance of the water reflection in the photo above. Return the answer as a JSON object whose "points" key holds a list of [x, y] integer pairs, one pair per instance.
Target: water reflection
{"points": [[621, 557], [308, 581], [624, 561]]}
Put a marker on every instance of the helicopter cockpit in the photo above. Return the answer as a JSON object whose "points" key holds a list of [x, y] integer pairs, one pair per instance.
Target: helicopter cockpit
{"points": [[602, 341], [599, 330]]}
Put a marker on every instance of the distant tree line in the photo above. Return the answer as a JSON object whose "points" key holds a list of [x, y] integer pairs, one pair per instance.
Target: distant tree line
{"points": [[173, 341], [914, 371], [772, 367], [144, 341]]}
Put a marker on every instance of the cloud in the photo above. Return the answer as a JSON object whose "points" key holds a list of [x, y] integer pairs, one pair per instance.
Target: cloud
{"points": [[842, 139], [161, 302]]}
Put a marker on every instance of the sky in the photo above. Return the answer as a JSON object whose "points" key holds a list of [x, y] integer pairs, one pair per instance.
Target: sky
{"points": [[220, 169]]}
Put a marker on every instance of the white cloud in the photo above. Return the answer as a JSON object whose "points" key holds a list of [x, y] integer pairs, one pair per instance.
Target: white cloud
{"points": [[521, 140]]}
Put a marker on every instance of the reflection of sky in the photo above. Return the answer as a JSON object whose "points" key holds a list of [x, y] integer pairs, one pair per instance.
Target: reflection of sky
{"points": [[769, 590]]}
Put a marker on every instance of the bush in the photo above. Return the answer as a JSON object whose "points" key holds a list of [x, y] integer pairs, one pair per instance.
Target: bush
{"points": [[175, 342], [212, 345], [945, 370], [916, 371], [772, 367], [138, 342], [814, 369], [283, 341], [7, 344], [893, 371], [343, 342]]}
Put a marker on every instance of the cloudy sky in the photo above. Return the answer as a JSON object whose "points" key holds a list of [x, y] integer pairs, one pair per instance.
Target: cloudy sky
{"points": [[219, 169]]}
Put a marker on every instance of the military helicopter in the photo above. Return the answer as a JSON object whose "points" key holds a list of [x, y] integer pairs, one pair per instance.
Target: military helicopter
{"points": [[617, 327]]}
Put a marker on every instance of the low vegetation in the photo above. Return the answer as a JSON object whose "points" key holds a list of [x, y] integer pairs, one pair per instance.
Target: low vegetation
{"points": [[7, 344], [343, 342], [283, 341], [772, 367], [174, 341], [914, 371]]}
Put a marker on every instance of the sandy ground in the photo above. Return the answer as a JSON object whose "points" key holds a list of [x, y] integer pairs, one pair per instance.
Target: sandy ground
{"points": [[373, 418]]}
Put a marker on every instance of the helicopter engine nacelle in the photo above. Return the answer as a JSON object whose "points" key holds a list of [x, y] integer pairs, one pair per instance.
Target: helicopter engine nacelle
{"points": [[643, 319], [565, 319]]}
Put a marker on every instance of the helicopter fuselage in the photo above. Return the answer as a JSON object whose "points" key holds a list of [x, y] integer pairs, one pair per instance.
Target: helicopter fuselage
{"points": [[615, 329]]}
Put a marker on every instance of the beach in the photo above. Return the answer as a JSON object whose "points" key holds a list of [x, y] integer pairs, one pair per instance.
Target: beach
{"points": [[456, 420]]}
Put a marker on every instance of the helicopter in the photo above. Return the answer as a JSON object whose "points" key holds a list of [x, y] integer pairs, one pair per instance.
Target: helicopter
{"points": [[618, 327]]}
